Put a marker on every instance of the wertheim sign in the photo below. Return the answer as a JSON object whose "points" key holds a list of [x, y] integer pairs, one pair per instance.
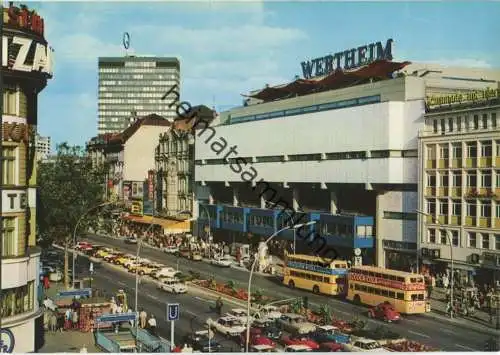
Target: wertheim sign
{"points": [[23, 54], [347, 59]]}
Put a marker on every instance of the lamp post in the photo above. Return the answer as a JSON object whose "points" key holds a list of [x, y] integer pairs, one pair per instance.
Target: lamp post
{"points": [[75, 230], [450, 241], [253, 268]]}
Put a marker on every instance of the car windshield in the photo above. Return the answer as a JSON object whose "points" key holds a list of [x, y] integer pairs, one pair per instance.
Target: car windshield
{"points": [[370, 346]]}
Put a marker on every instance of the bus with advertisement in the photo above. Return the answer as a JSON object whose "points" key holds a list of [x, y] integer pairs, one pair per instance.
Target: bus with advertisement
{"points": [[372, 285], [316, 274]]}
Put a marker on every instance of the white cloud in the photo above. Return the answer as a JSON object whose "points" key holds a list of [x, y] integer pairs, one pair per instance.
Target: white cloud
{"points": [[82, 47]]}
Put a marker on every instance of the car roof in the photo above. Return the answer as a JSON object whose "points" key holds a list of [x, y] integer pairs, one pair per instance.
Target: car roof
{"points": [[327, 327], [365, 340], [298, 346], [228, 317], [262, 347]]}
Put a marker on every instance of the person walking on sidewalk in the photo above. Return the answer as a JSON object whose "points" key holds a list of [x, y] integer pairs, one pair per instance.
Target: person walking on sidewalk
{"points": [[152, 324], [74, 318], [143, 317]]}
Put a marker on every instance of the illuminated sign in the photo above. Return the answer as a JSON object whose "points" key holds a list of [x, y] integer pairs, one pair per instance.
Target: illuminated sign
{"points": [[16, 132], [24, 19], [316, 268], [387, 283], [23, 54], [151, 176], [136, 208], [347, 59], [472, 96]]}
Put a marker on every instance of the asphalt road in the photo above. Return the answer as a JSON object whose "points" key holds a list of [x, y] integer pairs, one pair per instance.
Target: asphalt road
{"points": [[427, 329], [194, 310]]}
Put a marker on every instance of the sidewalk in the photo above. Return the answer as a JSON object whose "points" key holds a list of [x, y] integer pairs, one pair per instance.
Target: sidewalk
{"points": [[68, 342]]}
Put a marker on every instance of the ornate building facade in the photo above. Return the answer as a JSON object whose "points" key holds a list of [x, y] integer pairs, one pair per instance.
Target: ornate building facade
{"points": [[26, 67]]}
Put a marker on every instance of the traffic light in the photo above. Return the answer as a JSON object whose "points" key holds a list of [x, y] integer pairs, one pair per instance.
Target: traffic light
{"points": [[305, 302]]}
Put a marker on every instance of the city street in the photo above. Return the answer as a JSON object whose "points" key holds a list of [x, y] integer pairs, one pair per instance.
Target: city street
{"points": [[428, 329]]}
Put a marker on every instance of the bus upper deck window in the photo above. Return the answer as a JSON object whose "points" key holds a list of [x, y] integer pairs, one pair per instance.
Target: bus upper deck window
{"points": [[401, 279], [420, 296], [372, 274], [337, 266], [401, 296], [414, 297]]}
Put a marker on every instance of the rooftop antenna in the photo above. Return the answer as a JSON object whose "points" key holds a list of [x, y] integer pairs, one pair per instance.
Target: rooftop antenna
{"points": [[126, 42]]}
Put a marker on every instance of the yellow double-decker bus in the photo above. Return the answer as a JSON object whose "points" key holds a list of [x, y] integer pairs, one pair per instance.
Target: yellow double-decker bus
{"points": [[316, 274], [373, 285]]}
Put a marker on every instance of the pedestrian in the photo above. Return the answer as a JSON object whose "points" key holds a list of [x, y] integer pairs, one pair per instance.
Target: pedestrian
{"points": [[60, 322], [429, 290], [74, 319], [119, 309], [143, 317], [218, 306], [67, 319], [152, 324], [52, 322]]}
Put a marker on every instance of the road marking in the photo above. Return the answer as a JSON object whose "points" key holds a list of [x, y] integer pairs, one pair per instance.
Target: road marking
{"points": [[191, 313], [446, 331], [420, 334], [201, 299], [465, 347], [410, 320], [343, 312], [154, 297], [122, 283]]}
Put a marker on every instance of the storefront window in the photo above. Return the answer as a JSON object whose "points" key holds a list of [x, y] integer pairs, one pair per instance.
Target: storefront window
{"points": [[17, 300]]}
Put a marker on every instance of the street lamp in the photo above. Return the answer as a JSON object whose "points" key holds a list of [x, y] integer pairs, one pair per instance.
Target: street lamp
{"points": [[450, 241], [253, 268], [74, 234], [291, 222]]}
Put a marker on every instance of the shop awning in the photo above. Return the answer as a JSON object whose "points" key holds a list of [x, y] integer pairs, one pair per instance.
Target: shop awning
{"points": [[169, 225]]}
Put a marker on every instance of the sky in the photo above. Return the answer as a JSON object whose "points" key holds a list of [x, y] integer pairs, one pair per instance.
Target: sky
{"points": [[230, 48]]}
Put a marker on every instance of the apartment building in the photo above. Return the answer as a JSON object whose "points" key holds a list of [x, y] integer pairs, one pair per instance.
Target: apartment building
{"points": [[24, 77], [43, 147], [460, 185], [132, 87]]}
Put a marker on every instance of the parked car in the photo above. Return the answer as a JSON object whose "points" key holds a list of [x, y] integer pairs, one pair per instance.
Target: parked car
{"points": [[295, 324], [172, 285], [384, 311], [297, 349], [241, 314], [362, 345], [101, 253], [83, 246], [184, 252], [222, 262], [195, 256], [227, 325], [299, 340], [329, 333], [123, 259], [268, 312], [330, 347], [171, 249], [110, 258], [268, 328], [131, 240], [262, 349], [165, 272], [146, 268], [199, 341], [256, 338]]}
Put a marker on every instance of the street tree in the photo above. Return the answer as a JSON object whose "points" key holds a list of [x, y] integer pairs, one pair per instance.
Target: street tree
{"points": [[68, 187]]}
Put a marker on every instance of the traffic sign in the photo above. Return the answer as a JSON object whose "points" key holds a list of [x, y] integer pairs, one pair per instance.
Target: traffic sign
{"points": [[173, 311]]}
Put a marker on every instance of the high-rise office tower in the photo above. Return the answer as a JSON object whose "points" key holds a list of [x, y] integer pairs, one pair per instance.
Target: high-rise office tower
{"points": [[42, 147], [133, 87]]}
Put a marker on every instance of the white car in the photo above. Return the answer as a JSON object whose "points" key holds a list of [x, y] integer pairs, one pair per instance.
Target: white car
{"points": [[171, 249], [166, 272], [223, 262], [359, 344], [241, 314], [298, 348], [227, 325], [172, 285], [295, 324], [268, 312]]}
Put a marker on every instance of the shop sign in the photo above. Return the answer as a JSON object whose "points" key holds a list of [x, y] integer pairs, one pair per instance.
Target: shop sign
{"points": [[24, 19], [24, 54], [151, 176], [387, 283], [458, 98], [136, 208], [347, 59], [14, 201], [137, 189], [7, 341], [17, 132]]}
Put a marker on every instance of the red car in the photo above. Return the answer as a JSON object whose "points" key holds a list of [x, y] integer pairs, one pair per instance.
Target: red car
{"points": [[83, 246], [330, 347], [299, 340], [385, 311], [256, 338]]}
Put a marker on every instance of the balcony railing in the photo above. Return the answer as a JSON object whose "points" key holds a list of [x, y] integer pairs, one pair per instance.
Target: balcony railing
{"points": [[442, 191], [470, 221], [442, 163], [456, 163], [485, 162], [497, 162], [430, 164], [455, 220], [470, 162], [442, 219], [430, 191], [456, 192], [497, 222], [485, 222]]}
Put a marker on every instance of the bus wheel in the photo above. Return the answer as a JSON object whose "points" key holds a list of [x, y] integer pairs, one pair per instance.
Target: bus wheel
{"points": [[357, 299], [315, 289], [291, 284]]}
